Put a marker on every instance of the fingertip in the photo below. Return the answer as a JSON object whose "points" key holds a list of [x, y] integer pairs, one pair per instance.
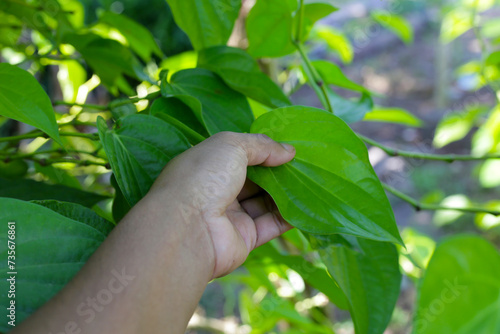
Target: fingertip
{"points": [[289, 148]]}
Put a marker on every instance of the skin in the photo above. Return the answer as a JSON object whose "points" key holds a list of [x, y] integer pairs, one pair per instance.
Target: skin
{"points": [[198, 222]]}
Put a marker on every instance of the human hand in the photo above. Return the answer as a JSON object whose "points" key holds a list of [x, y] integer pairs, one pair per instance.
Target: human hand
{"points": [[208, 184]]}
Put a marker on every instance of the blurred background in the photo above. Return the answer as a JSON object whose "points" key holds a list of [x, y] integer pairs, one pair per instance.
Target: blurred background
{"points": [[430, 66]]}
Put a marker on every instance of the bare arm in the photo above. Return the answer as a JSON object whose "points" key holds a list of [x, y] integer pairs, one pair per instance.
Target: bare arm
{"points": [[198, 222]]}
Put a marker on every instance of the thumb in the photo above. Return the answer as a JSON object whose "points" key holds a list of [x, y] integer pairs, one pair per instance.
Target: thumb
{"points": [[262, 150]]}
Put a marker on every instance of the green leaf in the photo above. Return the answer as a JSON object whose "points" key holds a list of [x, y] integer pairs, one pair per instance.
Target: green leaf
{"points": [[330, 186], [28, 190], [140, 39], [368, 274], [269, 28], [314, 11], [460, 292], [443, 217], [120, 205], [217, 107], [52, 249], [138, 150], [455, 23], [337, 42], [493, 59], [350, 110], [333, 75], [207, 23], [457, 125], [395, 23], [79, 213], [392, 115], [174, 111], [109, 59], [315, 276], [242, 73], [23, 99], [488, 174]]}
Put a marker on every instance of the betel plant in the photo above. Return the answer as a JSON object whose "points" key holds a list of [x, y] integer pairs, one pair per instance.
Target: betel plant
{"points": [[329, 192]]}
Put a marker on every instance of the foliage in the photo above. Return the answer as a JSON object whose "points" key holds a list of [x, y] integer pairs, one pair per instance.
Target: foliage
{"points": [[55, 172]]}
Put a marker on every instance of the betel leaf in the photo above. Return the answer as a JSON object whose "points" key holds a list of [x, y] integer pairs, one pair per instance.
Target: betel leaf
{"points": [[140, 39], [138, 150], [395, 23], [337, 42], [177, 113], [332, 74], [217, 106], [315, 276], [79, 213], [29, 190], [242, 73], [460, 291], [330, 186], [367, 272], [392, 115], [350, 110], [109, 59], [23, 99], [269, 28], [207, 23], [52, 249], [314, 10]]}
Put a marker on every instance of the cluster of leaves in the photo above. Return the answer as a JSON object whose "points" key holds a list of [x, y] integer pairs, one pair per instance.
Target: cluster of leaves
{"points": [[346, 232]]}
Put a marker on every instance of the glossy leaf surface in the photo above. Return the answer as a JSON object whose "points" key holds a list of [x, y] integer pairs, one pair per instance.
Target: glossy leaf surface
{"points": [[28, 190], [51, 248], [217, 106], [460, 292], [330, 186], [242, 73], [207, 23], [138, 150], [23, 99], [368, 273]]}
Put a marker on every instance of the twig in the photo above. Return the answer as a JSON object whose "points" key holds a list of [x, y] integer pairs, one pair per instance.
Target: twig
{"points": [[110, 105], [418, 206], [314, 78], [417, 155]]}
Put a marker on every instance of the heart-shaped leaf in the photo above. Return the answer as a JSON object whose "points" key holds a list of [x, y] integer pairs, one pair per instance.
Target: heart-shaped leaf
{"points": [[29, 190], [138, 150], [217, 107], [460, 292], [242, 73], [330, 186], [207, 23], [23, 99], [51, 249], [368, 274]]}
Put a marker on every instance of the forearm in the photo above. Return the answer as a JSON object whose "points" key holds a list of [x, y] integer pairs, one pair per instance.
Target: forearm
{"points": [[147, 277]]}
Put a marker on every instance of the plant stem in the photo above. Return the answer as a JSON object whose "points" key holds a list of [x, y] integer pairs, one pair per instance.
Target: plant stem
{"points": [[434, 207], [8, 157], [417, 155], [82, 105], [110, 105], [298, 33], [45, 162], [314, 78], [36, 134]]}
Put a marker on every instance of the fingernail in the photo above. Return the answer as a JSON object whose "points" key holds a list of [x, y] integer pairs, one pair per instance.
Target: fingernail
{"points": [[288, 147]]}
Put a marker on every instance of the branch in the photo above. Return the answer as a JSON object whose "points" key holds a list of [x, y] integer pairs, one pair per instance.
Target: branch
{"points": [[91, 136], [418, 206], [6, 157], [417, 155], [110, 105], [314, 78], [45, 162]]}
